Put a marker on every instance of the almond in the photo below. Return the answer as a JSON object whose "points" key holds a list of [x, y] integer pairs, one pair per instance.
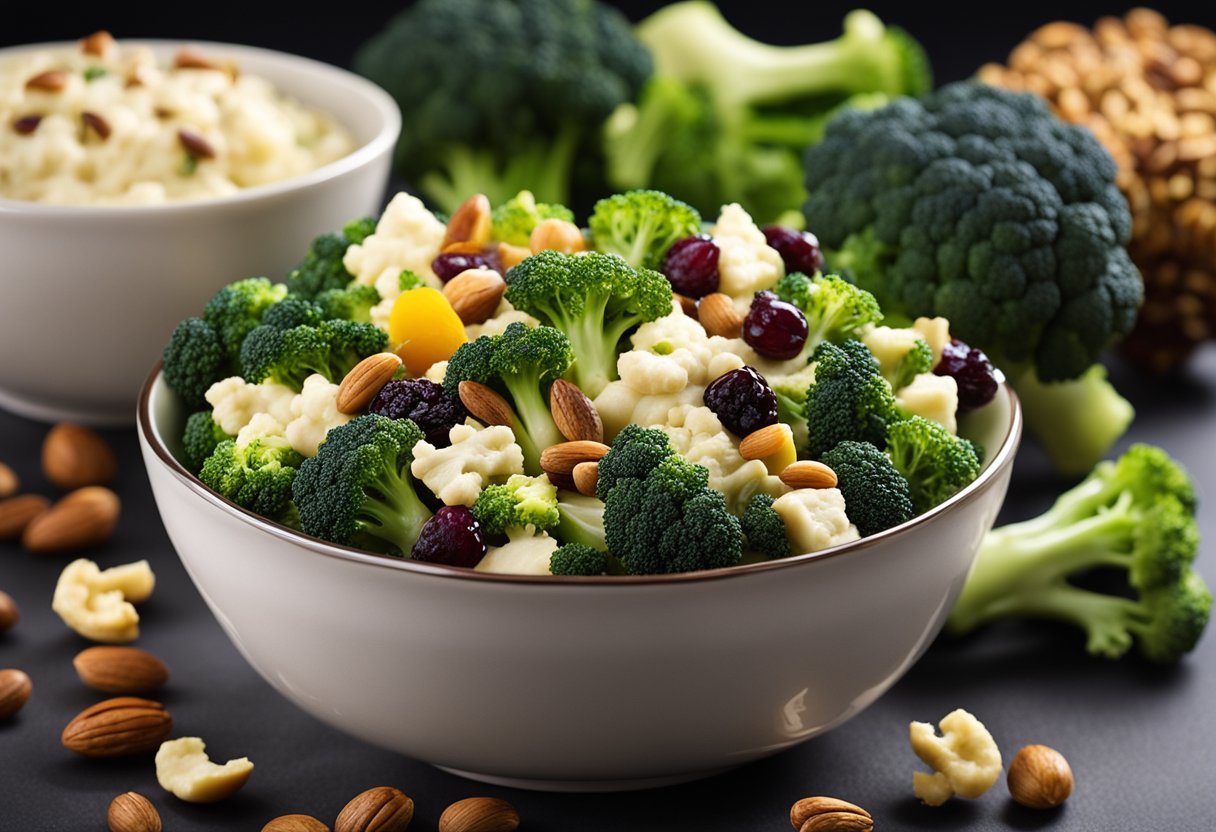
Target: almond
{"points": [[463, 248], [98, 43], [509, 255], [53, 80], [470, 223], [381, 809], [75, 456], [84, 518], [96, 123], [717, 314], [187, 58], [573, 413], [586, 476], [687, 305], [15, 687], [364, 381], [809, 807], [195, 144], [9, 482], [475, 294], [837, 822], [807, 473], [295, 823], [118, 727], [556, 234], [1039, 777], [485, 404], [120, 669], [16, 513], [558, 461], [132, 812], [763, 442], [9, 614], [479, 814]]}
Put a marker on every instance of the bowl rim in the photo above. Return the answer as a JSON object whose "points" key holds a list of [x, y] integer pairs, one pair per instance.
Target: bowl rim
{"points": [[149, 434], [384, 139]]}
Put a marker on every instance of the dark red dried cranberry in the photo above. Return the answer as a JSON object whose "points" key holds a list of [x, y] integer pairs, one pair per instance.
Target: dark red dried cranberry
{"points": [[691, 265], [799, 250], [972, 370], [423, 401], [742, 401], [774, 328], [447, 266], [451, 537]]}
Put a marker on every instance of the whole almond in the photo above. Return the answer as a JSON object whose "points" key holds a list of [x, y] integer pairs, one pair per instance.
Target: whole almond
{"points": [[364, 381], [9, 482], [509, 255], [470, 223], [295, 823], [479, 814], [808, 473], [573, 413], [586, 476], [380, 809], [717, 314], [809, 807], [53, 80], [97, 123], [763, 442], [15, 687], [132, 812], [1039, 777], [84, 518], [687, 305], [74, 456], [188, 58], [556, 234], [195, 144], [485, 404], [98, 43], [475, 294], [562, 457], [16, 513], [120, 669], [118, 727], [837, 822], [9, 614]]}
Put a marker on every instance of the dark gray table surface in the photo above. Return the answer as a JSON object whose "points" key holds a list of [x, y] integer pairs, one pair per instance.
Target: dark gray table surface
{"points": [[1140, 738]]}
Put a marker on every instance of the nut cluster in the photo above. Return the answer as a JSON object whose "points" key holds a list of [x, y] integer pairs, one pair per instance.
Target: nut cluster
{"points": [[1148, 92]]}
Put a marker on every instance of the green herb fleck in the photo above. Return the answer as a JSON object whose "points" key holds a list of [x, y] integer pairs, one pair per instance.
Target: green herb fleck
{"points": [[408, 280], [94, 72], [189, 165], [663, 348]]}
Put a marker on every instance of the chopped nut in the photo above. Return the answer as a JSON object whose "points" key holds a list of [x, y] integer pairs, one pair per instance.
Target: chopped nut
{"points": [[99, 43], [96, 123], [195, 145], [53, 80]]}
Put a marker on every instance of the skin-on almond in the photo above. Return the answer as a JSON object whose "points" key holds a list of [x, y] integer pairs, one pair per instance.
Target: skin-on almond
{"points": [[479, 814], [809, 807], [509, 255], [837, 822], [132, 812], [556, 234], [485, 404], [763, 442], [82, 519], [364, 381], [187, 58], [16, 513], [118, 727], [295, 823], [120, 669], [475, 294], [470, 223], [15, 687], [74, 456], [687, 305], [9, 482], [573, 413], [807, 473], [53, 80], [586, 476], [717, 314], [9, 614], [381, 809], [558, 461]]}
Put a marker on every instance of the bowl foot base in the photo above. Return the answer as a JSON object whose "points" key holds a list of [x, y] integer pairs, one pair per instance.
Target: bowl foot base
{"points": [[635, 784], [101, 417]]}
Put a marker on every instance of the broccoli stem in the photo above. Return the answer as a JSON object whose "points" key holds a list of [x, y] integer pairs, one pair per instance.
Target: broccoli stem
{"points": [[395, 510], [537, 428]]}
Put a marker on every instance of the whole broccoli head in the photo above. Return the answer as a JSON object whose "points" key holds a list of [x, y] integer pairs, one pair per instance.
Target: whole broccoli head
{"points": [[256, 475], [199, 438], [876, 495], [849, 399], [502, 97], [936, 463], [640, 225], [238, 307], [289, 356]]}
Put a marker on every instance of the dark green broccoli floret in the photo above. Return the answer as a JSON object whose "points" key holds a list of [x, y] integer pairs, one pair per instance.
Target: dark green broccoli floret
{"points": [[936, 463], [577, 559], [503, 97], [876, 496], [917, 360], [358, 230], [257, 475], [238, 307], [322, 267], [641, 225], [519, 502], [194, 359], [764, 529], [354, 303], [635, 453], [288, 357], [357, 489], [516, 219], [582, 520], [835, 309], [849, 399], [1135, 515], [596, 299], [201, 435], [292, 312]]}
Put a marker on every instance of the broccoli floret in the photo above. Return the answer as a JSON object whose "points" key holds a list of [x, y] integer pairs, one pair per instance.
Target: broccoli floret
{"points": [[503, 96], [194, 359], [516, 219], [201, 435], [640, 225], [257, 475], [409, 280], [577, 559], [357, 490], [358, 230], [292, 312], [1135, 515], [354, 303], [936, 463], [979, 205], [322, 267], [582, 520], [519, 502], [635, 453], [876, 495], [289, 356], [596, 299], [764, 529], [917, 360], [849, 399], [835, 309], [237, 308]]}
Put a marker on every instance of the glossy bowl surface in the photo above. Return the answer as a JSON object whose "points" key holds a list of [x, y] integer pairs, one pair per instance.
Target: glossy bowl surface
{"points": [[91, 292], [575, 683]]}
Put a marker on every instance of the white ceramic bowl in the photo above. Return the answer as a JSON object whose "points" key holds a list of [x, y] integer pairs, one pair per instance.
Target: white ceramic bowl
{"points": [[89, 293], [575, 683]]}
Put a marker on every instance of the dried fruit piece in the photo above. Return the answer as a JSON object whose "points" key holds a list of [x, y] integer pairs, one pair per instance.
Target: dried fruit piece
{"points": [[380, 809], [120, 669], [479, 814], [74, 456], [25, 125], [195, 145], [1039, 777], [184, 770], [132, 812], [742, 400], [425, 328], [15, 687], [118, 727]]}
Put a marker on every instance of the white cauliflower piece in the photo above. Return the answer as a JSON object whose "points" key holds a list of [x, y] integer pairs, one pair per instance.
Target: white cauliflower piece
{"points": [[314, 412], [184, 770], [457, 474], [815, 518], [504, 316], [932, 396], [936, 331], [670, 333], [261, 426], [524, 553], [965, 759], [235, 402], [407, 236], [619, 404], [889, 345], [746, 262], [436, 372], [721, 364], [97, 604], [697, 434], [651, 374]]}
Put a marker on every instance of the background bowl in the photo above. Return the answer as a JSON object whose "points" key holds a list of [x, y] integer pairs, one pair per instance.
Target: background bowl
{"points": [[91, 292], [575, 683]]}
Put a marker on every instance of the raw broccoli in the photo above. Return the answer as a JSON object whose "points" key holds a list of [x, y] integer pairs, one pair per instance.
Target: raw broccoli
{"points": [[202, 433], [322, 266], [238, 307], [516, 219], [764, 529], [292, 312], [256, 475], [876, 495], [519, 502], [577, 559], [791, 401], [521, 363], [358, 230], [354, 303], [289, 356], [357, 489], [581, 520], [1135, 515], [936, 463], [849, 399], [917, 360], [835, 309], [979, 205], [503, 97], [596, 299], [194, 359], [635, 453], [640, 225]]}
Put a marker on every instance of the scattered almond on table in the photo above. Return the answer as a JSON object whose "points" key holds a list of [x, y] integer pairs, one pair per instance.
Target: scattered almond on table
{"points": [[479, 814], [379, 809], [120, 669], [120, 727], [9, 613], [1039, 777], [132, 812], [74, 456], [295, 823], [15, 687], [829, 814]]}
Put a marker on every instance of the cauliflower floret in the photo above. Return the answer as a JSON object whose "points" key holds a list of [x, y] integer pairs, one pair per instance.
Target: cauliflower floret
{"points": [[746, 262], [651, 374], [235, 402], [889, 345], [504, 316], [313, 413], [670, 333], [932, 396], [619, 404], [407, 236], [936, 331], [524, 553], [458, 473], [697, 434], [815, 518], [436, 372], [260, 426], [965, 759], [721, 364]]}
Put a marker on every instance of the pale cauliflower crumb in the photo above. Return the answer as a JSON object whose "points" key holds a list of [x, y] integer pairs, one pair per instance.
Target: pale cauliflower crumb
{"points": [[746, 262], [933, 397], [619, 404], [407, 236], [457, 474], [965, 759], [696, 433], [815, 518], [235, 402], [524, 553], [314, 411], [936, 331], [436, 372]]}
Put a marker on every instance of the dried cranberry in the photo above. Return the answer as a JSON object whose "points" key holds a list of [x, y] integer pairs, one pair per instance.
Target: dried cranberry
{"points": [[972, 370], [447, 266], [742, 401], [451, 537], [691, 265], [774, 328], [423, 401], [799, 250]]}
